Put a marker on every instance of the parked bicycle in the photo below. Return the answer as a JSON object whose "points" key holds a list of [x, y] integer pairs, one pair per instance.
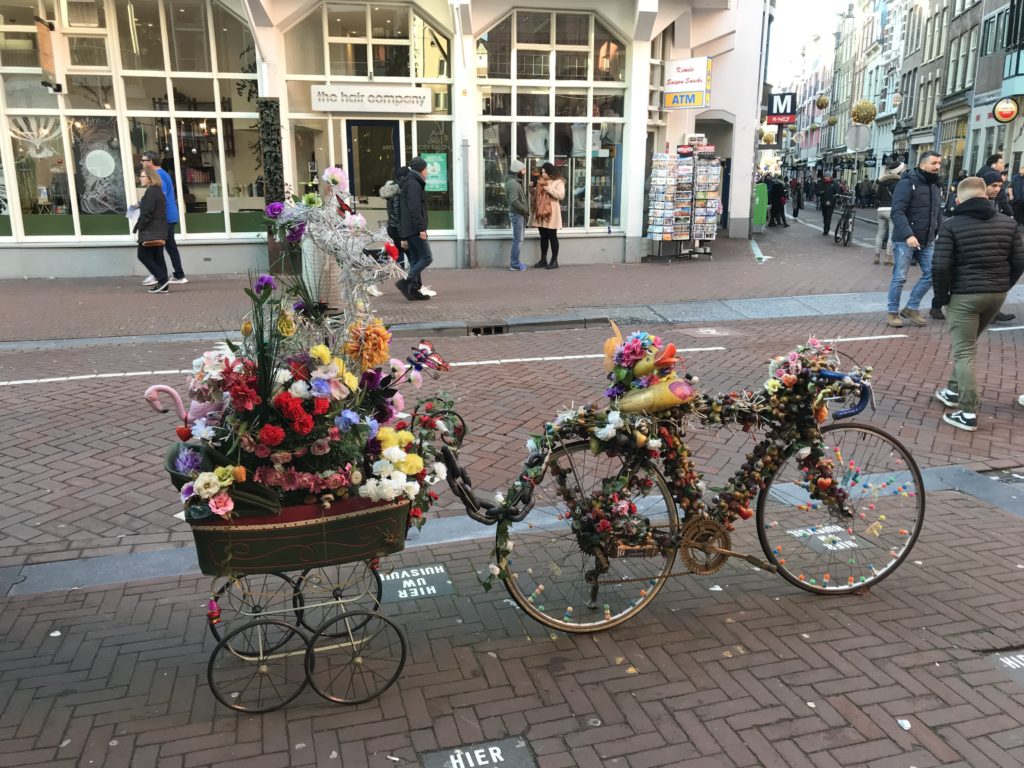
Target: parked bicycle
{"points": [[844, 227], [609, 498]]}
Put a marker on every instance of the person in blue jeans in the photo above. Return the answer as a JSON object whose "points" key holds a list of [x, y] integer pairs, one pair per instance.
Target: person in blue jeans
{"points": [[412, 228], [152, 160], [518, 210], [916, 215]]}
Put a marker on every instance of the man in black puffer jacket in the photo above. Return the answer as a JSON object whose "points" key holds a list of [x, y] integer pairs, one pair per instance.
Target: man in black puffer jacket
{"points": [[979, 255]]}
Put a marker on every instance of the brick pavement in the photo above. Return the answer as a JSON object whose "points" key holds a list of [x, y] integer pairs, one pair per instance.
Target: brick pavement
{"points": [[756, 674], [801, 263], [80, 471]]}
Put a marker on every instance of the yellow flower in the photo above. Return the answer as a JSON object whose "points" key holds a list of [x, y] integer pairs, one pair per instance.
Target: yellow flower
{"points": [[350, 380], [368, 344], [387, 437], [772, 385], [247, 329], [225, 475], [286, 325], [321, 354], [411, 465], [405, 437]]}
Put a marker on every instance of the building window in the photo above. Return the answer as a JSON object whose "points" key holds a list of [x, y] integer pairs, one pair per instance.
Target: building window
{"points": [[972, 58], [562, 102]]}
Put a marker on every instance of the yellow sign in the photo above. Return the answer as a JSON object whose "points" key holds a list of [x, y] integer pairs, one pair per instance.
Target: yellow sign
{"points": [[688, 83], [685, 100]]}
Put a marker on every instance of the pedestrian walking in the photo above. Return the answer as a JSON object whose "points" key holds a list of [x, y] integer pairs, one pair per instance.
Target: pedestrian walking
{"points": [[152, 160], [151, 228], [777, 203], [979, 256], [547, 213], [886, 184], [827, 194], [863, 192], [390, 192], [518, 210], [797, 198], [412, 229], [916, 215], [995, 163], [1017, 189]]}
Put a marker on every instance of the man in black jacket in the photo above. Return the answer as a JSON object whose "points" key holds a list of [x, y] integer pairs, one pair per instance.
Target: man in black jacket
{"points": [[916, 214], [412, 228], [979, 255]]}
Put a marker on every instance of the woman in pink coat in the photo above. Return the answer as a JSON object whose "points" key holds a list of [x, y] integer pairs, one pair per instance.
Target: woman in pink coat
{"points": [[547, 213]]}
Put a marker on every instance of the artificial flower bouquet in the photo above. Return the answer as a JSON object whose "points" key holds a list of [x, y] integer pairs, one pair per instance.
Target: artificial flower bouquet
{"points": [[308, 411]]}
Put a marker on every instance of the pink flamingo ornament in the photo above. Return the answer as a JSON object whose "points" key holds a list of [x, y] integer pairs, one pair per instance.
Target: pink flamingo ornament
{"points": [[153, 398], [196, 409]]}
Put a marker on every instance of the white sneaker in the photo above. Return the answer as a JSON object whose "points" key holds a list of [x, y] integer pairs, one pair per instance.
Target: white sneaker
{"points": [[426, 290], [149, 281], [178, 280], [373, 290]]}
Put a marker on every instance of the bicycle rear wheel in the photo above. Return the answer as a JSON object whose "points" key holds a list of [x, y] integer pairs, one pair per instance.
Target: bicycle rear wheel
{"points": [[839, 228], [558, 584], [843, 547], [848, 232]]}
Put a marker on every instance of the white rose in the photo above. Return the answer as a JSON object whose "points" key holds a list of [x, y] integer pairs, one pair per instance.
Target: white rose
{"points": [[411, 489], [299, 389], [206, 486], [495, 570], [654, 445], [370, 490], [382, 467], [605, 433], [440, 471]]}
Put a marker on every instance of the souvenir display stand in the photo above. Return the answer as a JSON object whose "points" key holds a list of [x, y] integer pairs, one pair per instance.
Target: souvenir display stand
{"points": [[684, 203]]}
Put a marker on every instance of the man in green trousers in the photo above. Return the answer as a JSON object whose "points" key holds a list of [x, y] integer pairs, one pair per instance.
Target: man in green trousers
{"points": [[979, 255]]}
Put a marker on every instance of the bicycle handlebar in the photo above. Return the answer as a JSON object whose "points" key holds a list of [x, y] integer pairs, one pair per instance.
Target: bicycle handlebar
{"points": [[865, 393]]}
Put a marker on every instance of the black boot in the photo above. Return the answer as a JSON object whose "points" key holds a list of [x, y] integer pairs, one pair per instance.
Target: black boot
{"points": [[413, 292], [553, 264], [542, 264]]}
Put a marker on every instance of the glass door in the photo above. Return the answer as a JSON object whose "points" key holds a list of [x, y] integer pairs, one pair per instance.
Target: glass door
{"points": [[373, 158]]}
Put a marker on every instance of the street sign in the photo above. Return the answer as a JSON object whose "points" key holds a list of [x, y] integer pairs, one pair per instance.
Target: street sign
{"points": [[781, 109], [1005, 111], [858, 137], [688, 83], [870, 162], [507, 753]]}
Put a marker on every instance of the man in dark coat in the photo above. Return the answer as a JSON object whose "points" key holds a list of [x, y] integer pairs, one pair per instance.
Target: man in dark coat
{"points": [[979, 255], [995, 163], [1017, 187], [916, 215], [412, 228], [827, 194], [391, 192]]}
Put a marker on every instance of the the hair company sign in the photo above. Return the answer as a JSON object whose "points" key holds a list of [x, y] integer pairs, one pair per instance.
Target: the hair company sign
{"points": [[371, 98]]}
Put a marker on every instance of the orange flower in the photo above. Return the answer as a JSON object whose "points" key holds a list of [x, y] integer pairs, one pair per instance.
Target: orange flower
{"points": [[239, 473], [368, 344]]}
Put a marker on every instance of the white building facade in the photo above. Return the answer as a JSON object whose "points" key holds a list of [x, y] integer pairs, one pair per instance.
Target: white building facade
{"points": [[364, 86]]}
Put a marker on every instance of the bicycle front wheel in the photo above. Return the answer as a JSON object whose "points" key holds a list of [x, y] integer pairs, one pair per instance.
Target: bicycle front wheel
{"points": [[847, 545], [839, 229], [564, 587], [848, 232]]}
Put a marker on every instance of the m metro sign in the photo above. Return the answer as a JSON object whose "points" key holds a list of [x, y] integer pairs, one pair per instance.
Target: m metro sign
{"points": [[688, 83], [782, 109]]}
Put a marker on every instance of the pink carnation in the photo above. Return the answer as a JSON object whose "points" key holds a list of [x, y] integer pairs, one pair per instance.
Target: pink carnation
{"points": [[263, 451]]}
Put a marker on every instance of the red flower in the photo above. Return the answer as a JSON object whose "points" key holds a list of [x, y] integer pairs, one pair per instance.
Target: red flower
{"points": [[244, 398], [428, 407], [303, 425], [603, 526], [271, 435], [401, 425], [416, 512], [321, 405], [299, 371], [289, 406]]}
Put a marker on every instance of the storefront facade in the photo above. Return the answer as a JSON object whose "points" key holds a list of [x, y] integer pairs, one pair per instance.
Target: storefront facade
{"points": [[361, 86]]}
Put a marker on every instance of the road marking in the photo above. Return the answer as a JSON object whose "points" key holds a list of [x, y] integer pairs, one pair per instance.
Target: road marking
{"points": [[1010, 328], [186, 371], [759, 257], [868, 338], [856, 240]]}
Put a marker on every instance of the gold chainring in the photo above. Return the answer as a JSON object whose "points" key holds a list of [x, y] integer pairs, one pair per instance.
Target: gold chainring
{"points": [[699, 539]]}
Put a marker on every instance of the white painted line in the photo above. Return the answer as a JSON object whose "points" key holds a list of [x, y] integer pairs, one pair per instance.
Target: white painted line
{"points": [[1010, 328], [84, 377], [559, 358], [868, 338], [759, 257]]}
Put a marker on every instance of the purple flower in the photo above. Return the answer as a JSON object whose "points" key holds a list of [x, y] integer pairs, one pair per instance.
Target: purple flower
{"points": [[187, 492], [273, 210], [614, 391], [321, 387], [371, 379], [346, 420], [264, 283], [299, 306], [295, 234], [188, 461]]}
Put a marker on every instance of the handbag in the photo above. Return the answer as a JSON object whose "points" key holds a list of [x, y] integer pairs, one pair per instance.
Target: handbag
{"points": [[154, 243]]}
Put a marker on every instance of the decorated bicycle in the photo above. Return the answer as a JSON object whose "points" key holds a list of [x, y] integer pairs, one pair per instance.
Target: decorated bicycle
{"points": [[299, 469], [610, 498]]}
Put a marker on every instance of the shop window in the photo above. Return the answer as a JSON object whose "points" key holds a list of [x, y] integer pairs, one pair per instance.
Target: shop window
{"points": [[391, 60], [389, 23], [533, 27], [188, 35], [42, 178], [24, 92], [5, 205], [19, 49], [83, 14], [348, 59], [572, 65], [494, 51], [310, 140], [431, 51], [495, 100], [532, 103], [99, 177], [346, 20], [148, 93], [609, 55], [239, 94], [571, 103], [242, 175], [199, 140], [236, 51], [496, 149], [90, 92], [138, 28], [434, 144], [87, 51], [21, 13], [441, 99], [533, 65], [304, 53], [572, 29], [194, 94]]}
